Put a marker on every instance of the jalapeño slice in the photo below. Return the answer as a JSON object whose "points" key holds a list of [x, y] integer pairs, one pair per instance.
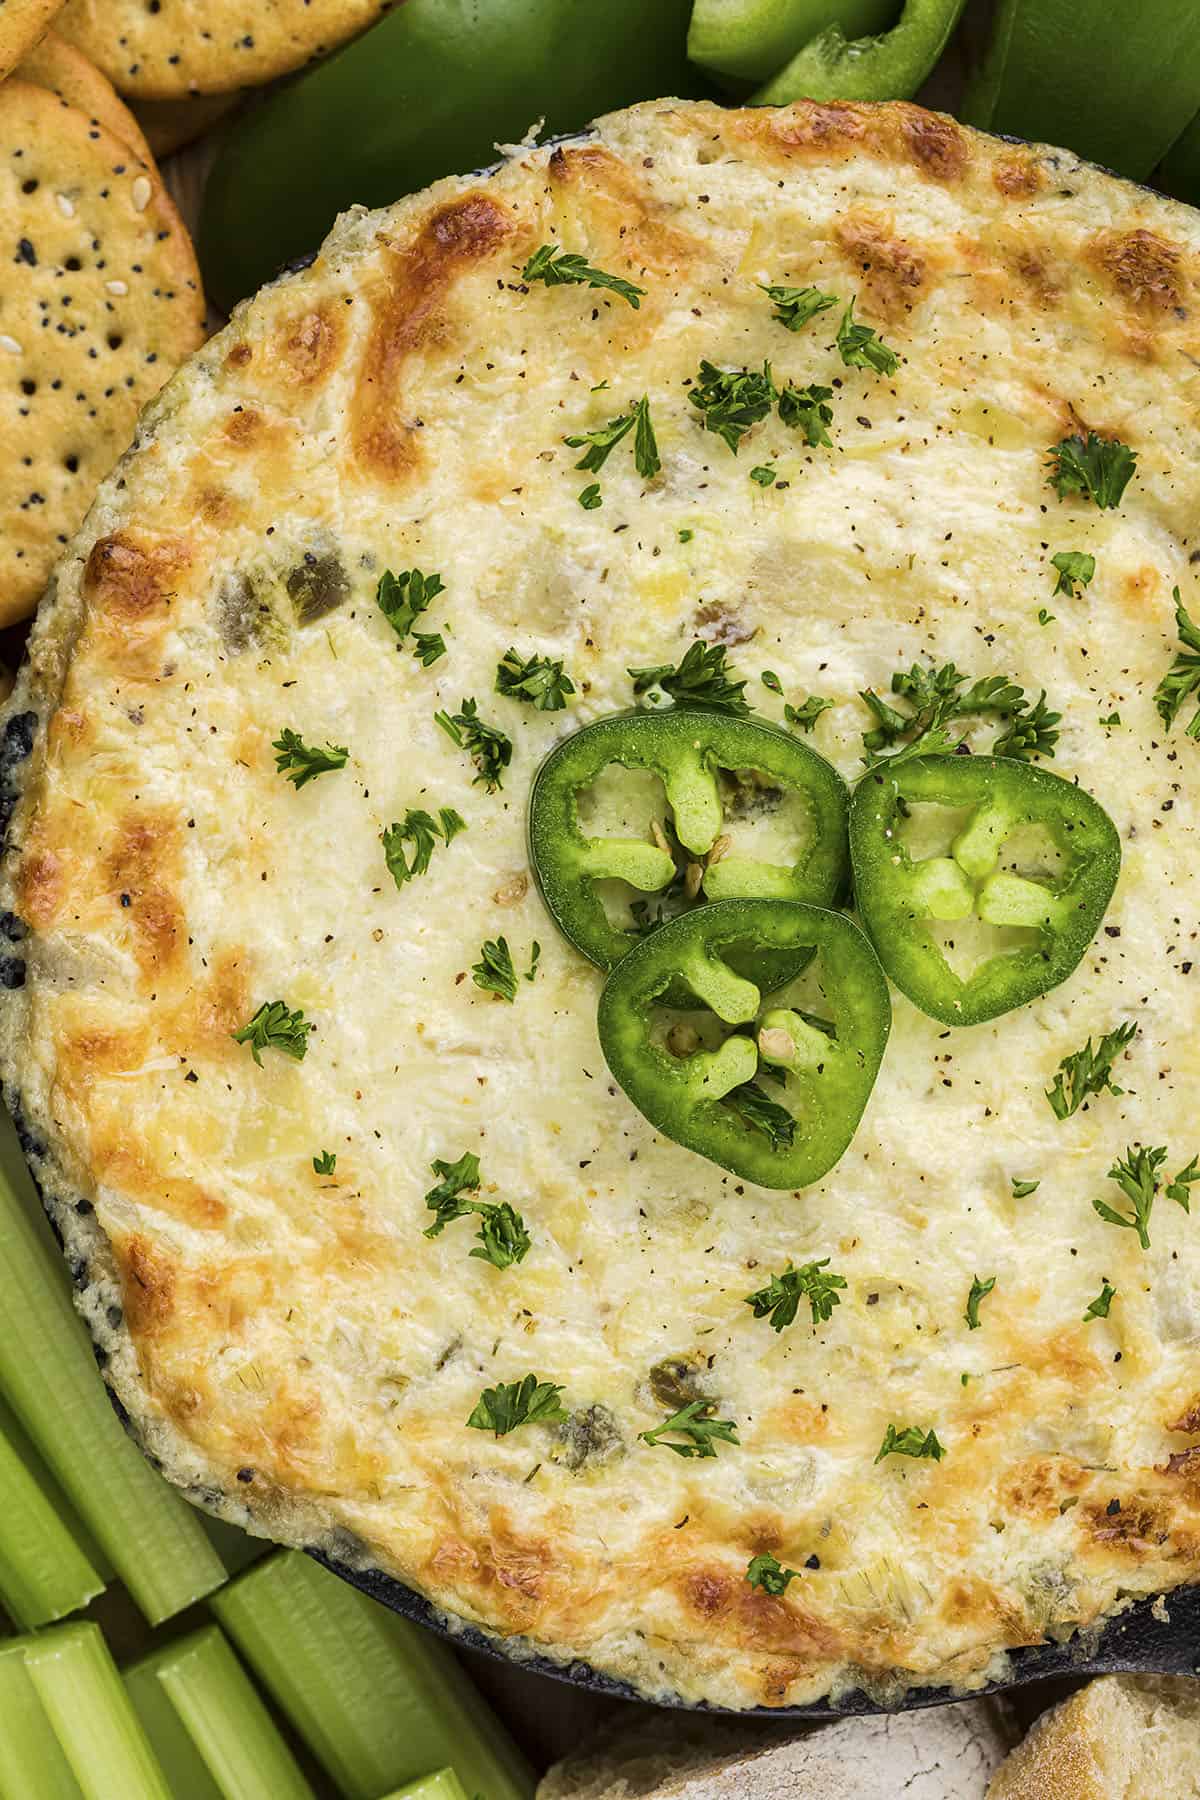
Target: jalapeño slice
{"points": [[774, 1095], [727, 785], [1030, 855]]}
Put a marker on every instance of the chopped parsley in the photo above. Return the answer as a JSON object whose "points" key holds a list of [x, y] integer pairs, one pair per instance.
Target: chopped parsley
{"points": [[599, 444], [403, 598], [936, 698], [503, 1239], [780, 1299], [805, 716], [1098, 1308], [326, 1163], [1075, 571], [1044, 617], [1098, 468], [428, 647], [1111, 722], [1182, 680], [764, 476], [1087, 1072], [590, 497], [275, 1027], [762, 1114], [860, 348], [421, 831], [794, 307], [910, 1441], [537, 680], [302, 762], [562, 268], [979, 1291], [804, 409], [733, 400], [1021, 1190], [701, 679], [768, 1573], [489, 748], [494, 972], [1178, 1188], [645, 445], [695, 1425], [501, 1409], [1136, 1174], [771, 680]]}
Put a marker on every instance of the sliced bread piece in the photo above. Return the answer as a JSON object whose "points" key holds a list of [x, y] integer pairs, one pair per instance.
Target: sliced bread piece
{"points": [[1123, 1737]]}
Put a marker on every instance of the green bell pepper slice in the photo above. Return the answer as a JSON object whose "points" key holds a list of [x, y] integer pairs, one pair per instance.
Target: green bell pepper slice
{"points": [[1057, 908], [1115, 83], [704, 1092], [891, 66], [697, 756], [428, 91]]}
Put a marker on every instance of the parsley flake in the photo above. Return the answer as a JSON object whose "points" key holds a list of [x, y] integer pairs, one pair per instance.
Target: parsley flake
{"points": [[768, 1573], [733, 400], [979, 1291], [1088, 1072], [600, 442], [562, 268], [804, 409], [494, 972], [645, 445], [910, 1441], [1098, 1308], [428, 647], [326, 1163], [701, 679], [1098, 468], [275, 1027], [421, 831], [805, 716], [1182, 680], [1136, 1174], [1021, 1190], [762, 1114], [861, 348], [1075, 571], [445, 1200], [794, 307], [771, 680], [537, 680], [403, 598], [1178, 1188], [780, 1299], [764, 476], [936, 698], [530, 1401], [489, 748], [590, 497], [1045, 618], [302, 762], [695, 1424], [503, 1239]]}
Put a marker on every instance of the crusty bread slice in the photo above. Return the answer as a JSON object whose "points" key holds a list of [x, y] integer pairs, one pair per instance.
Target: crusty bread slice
{"points": [[1124, 1737], [933, 1754]]}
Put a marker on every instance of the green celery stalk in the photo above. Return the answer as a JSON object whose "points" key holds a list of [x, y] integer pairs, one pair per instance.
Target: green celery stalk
{"points": [[44, 1574], [444, 1785], [32, 1767], [93, 1719], [187, 1777], [378, 1700], [48, 1376], [227, 1721]]}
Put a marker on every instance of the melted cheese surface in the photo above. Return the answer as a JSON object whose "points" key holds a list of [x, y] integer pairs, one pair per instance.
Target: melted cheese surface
{"points": [[291, 1344]]}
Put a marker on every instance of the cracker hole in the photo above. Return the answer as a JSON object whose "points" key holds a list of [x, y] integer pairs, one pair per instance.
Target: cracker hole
{"points": [[71, 464], [115, 340], [30, 186]]}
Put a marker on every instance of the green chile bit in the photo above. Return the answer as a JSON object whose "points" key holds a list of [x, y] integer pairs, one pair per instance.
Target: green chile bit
{"points": [[695, 1424], [1096, 467], [1087, 1072], [276, 1027], [560, 268], [910, 1441], [527, 1402], [1182, 680], [780, 1299], [768, 1573], [301, 762]]}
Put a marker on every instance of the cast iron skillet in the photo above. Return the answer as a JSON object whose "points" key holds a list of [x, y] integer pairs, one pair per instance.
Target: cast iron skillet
{"points": [[1135, 1641]]}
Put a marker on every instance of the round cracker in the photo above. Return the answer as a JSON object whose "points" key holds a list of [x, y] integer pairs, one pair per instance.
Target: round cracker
{"points": [[162, 54], [22, 23], [170, 124], [99, 304], [55, 64]]}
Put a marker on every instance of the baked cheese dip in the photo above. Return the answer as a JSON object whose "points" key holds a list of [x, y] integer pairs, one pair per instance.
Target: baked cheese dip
{"points": [[600, 903]]}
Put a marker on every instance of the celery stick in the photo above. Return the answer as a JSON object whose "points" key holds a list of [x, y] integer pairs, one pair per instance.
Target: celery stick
{"points": [[93, 1719], [48, 1376], [187, 1777], [44, 1575], [445, 1785], [378, 1700], [32, 1767], [228, 1723]]}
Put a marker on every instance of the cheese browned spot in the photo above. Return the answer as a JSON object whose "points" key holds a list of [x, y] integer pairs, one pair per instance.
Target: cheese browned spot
{"points": [[294, 1344]]}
